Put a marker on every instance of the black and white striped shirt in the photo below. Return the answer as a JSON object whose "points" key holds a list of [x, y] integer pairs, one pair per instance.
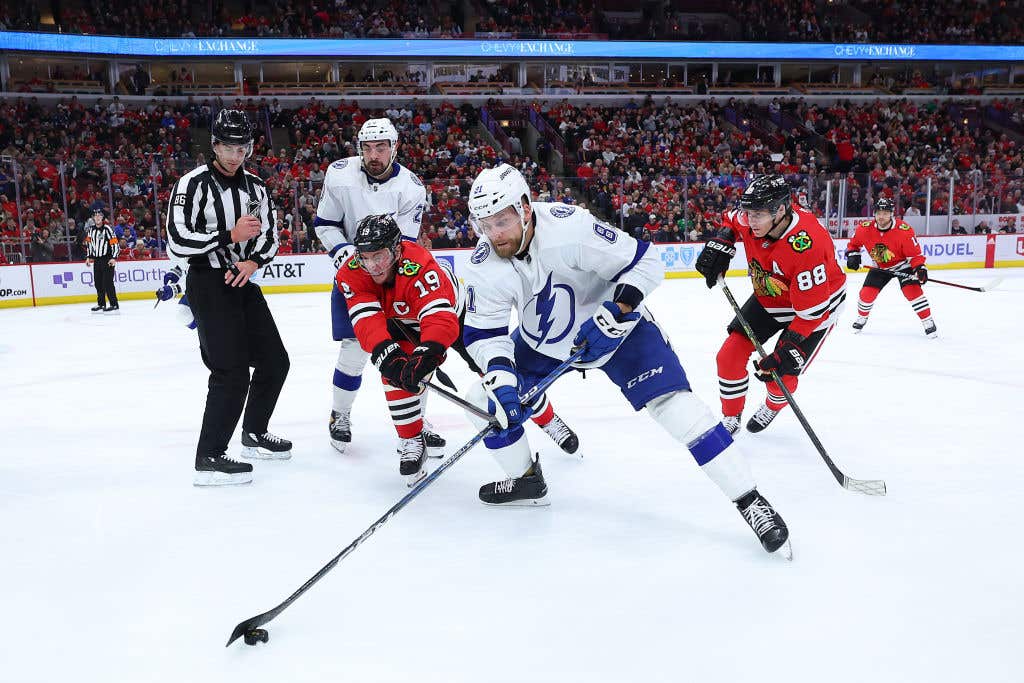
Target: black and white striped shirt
{"points": [[206, 204], [103, 243]]}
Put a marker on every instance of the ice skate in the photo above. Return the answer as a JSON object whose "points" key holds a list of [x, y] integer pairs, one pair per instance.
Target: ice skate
{"points": [[771, 530], [265, 446], [219, 470], [526, 490], [562, 435], [341, 431]]}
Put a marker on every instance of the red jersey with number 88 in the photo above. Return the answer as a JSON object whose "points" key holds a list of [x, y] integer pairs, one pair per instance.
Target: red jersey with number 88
{"points": [[421, 295], [796, 277]]}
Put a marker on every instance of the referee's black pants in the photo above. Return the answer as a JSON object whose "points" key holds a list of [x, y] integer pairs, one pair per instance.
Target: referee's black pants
{"points": [[103, 278], [236, 332]]}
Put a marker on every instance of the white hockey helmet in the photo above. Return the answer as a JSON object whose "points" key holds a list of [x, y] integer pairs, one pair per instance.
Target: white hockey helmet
{"points": [[494, 190], [378, 129]]}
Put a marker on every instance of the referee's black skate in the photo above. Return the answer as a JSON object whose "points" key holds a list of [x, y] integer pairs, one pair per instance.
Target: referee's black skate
{"points": [[562, 434], [527, 490], [412, 453], [218, 470], [265, 446], [771, 530], [341, 430]]}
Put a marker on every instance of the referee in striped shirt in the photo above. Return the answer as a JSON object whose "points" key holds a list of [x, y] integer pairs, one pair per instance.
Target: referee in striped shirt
{"points": [[102, 255], [221, 220]]}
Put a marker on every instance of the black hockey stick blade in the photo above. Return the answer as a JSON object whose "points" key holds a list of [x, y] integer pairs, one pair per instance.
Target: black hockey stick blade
{"points": [[253, 622]]}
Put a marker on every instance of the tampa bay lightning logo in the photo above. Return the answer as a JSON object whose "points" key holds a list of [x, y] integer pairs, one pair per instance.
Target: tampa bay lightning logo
{"points": [[562, 210], [549, 316], [483, 250]]}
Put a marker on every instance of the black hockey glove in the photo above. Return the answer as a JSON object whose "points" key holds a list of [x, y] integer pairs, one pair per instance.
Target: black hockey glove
{"points": [[713, 261], [787, 358], [422, 363], [922, 274], [853, 260], [390, 359]]}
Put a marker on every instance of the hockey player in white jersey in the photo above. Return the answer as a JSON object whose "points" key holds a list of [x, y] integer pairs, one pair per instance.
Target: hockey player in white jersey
{"points": [[356, 187], [576, 282]]}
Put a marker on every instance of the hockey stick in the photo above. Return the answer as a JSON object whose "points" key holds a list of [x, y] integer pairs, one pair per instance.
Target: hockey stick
{"points": [[910, 277], [461, 402], [870, 487], [246, 627]]}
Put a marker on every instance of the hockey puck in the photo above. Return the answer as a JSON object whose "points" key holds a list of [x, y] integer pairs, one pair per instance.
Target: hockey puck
{"points": [[256, 635]]}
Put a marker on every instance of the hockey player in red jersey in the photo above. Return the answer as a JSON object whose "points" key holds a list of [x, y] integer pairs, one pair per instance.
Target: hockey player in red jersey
{"points": [[386, 278], [799, 289], [893, 247]]}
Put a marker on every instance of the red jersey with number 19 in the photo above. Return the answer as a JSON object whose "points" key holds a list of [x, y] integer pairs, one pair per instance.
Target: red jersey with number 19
{"points": [[796, 277], [421, 295]]}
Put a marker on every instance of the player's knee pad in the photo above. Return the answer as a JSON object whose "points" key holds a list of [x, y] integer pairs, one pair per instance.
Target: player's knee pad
{"points": [[683, 415], [868, 294], [351, 357], [732, 357], [911, 290]]}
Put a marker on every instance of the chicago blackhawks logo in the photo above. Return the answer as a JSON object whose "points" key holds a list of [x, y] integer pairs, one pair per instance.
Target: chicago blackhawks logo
{"points": [[800, 241], [765, 284], [354, 263], [407, 267], [881, 253]]}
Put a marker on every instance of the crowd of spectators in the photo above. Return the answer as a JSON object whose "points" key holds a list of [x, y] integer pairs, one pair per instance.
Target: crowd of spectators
{"points": [[664, 172], [880, 21], [536, 19]]}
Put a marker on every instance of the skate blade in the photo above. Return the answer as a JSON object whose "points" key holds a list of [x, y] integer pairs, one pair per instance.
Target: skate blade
{"points": [[858, 330], [543, 501], [255, 453], [435, 451], [413, 479], [221, 478], [932, 335], [339, 446], [786, 550]]}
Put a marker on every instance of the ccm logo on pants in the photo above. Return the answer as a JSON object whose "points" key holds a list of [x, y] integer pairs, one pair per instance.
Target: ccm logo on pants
{"points": [[645, 375]]}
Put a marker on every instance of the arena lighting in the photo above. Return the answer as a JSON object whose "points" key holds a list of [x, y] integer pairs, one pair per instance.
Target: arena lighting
{"points": [[508, 49]]}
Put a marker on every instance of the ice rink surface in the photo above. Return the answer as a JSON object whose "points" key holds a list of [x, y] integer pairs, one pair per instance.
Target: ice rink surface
{"points": [[115, 568]]}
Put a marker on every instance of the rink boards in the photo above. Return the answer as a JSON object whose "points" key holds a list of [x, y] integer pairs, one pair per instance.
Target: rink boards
{"points": [[65, 283]]}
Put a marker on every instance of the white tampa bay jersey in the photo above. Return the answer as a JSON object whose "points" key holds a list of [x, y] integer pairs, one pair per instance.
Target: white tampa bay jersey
{"points": [[349, 195], [573, 265]]}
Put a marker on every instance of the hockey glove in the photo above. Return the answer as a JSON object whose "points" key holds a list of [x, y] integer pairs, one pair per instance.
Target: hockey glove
{"points": [[422, 363], [853, 260], [602, 334], [787, 358], [165, 293], [714, 259], [172, 276], [922, 274], [344, 251], [501, 384], [390, 359]]}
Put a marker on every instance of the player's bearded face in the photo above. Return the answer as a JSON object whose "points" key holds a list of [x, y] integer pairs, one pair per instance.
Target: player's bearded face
{"points": [[379, 264], [376, 157], [883, 218], [505, 230]]}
